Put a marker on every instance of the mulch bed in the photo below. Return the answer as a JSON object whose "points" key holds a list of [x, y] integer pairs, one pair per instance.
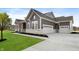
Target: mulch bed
{"points": [[41, 35]]}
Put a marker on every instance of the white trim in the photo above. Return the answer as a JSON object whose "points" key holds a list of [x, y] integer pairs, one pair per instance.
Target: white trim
{"points": [[30, 15], [36, 13], [64, 21], [47, 25]]}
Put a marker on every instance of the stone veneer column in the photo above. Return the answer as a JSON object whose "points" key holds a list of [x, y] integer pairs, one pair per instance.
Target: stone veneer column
{"points": [[29, 24], [40, 23], [71, 27]]}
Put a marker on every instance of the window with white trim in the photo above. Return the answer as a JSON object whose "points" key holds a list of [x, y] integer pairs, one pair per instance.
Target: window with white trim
{"points": [[34, 17]]}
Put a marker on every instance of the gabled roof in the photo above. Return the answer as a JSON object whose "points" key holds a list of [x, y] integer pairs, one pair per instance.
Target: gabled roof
{"points": [[19, 21], [42, 15], [39, 13], [49, 16], [62, 18]]}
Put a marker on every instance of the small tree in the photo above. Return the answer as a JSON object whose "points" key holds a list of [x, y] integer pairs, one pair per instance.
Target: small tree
{"points": [[4, 23]]}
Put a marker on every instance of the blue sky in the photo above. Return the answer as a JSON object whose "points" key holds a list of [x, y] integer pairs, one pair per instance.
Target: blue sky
{"points": [[20, 13]]}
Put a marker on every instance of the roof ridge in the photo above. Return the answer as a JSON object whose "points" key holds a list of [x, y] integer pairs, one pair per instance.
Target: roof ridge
{"points": [[50, 14], [41, 13]]}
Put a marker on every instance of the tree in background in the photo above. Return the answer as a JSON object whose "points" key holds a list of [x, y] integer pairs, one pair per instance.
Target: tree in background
{"points": [[5, 22]]}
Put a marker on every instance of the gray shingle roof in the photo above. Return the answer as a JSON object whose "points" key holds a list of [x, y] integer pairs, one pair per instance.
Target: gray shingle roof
{"points": [[50, 16], [42, 15], [62, 18], [19, 21]]}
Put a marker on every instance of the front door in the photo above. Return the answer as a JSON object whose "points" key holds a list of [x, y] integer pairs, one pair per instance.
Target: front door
{"points": [[24, 27]]}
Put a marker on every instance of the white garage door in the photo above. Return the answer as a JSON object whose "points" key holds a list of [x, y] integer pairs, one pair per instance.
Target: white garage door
{"points": [[64, 29], [48, 29]]}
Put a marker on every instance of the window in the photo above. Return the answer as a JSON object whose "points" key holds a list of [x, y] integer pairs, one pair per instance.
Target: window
{"points": [[64, 27], [34, 17], [64, 23], [34, 24]]}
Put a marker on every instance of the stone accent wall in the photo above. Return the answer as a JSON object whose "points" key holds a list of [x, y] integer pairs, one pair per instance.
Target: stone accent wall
{"points": [[34, 17]]}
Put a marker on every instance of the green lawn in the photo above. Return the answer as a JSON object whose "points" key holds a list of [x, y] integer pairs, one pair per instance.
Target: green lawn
{"points": [[17, 42]]}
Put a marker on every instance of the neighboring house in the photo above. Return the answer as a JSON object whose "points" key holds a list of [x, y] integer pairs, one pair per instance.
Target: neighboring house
{"points": [[20, 25], [42, 23], [75, 28], [12, 27]]}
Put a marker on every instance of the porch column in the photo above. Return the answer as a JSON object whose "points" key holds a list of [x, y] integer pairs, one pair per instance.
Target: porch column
{"points": [[70, 26], [40, 23], [29, 24], [26, 25], [21, 27]]}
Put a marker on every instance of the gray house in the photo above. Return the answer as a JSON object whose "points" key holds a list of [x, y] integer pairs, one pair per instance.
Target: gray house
{"points": [[43, 23]]}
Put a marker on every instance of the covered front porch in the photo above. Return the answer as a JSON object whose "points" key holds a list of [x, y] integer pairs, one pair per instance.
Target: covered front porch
{"points": [[37, 27]]}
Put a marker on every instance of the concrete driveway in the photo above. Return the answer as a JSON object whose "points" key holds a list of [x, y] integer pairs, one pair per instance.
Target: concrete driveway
{"points": [[57, 42]]}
